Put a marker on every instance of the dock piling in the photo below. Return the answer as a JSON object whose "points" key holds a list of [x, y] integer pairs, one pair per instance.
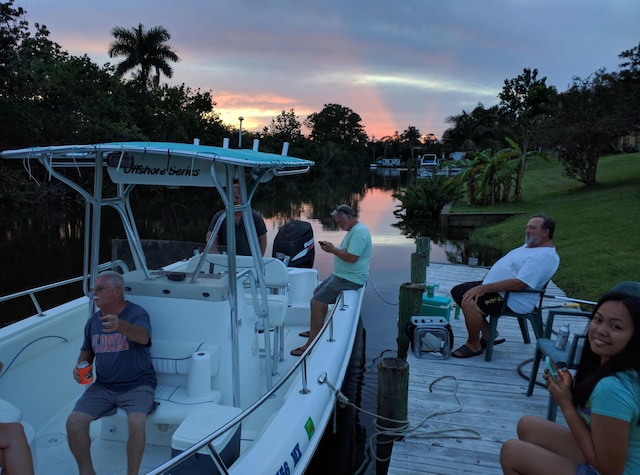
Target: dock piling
{"points": [[410, 303], [420, 260], [393, 393]]}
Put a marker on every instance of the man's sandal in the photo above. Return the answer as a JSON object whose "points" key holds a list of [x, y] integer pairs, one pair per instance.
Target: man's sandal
{"points": [[298, 351], [465, 352]]}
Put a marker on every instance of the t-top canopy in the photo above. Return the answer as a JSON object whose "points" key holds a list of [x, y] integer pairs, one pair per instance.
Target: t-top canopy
{"points": [[161, 163]]}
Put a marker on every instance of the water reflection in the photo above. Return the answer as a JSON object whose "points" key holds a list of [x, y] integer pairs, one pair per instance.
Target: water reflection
{"points": [[38, 247]]}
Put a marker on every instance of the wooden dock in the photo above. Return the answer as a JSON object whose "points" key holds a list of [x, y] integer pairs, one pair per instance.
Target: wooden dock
{"points": [[492, 395]]}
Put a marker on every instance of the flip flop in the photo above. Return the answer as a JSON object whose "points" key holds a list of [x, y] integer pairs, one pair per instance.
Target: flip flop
{"points": [[298, 351], [497, 341], [304, 334], [466, 352]]}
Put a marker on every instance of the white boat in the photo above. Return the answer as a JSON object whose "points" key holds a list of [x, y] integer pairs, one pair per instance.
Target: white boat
{"points": [[427, 165], [231, 397]]}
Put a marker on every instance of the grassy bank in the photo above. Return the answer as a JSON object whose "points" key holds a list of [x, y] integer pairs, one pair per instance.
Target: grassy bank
{"points": [[598, 229]]}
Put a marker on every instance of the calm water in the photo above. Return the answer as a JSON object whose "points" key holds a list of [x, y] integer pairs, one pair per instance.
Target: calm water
{"points": [[35, 252]]}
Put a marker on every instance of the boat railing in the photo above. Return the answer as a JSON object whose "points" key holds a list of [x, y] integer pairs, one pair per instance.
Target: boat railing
{"points": [[301, 365], [261, 307], [32, 292]]}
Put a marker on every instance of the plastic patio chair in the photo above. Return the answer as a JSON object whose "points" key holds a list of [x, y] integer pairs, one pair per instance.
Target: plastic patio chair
{"points": [[567, 358], [534, 317]]}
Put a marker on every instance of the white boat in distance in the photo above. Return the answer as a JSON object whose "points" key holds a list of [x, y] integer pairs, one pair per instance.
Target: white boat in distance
{"points": [[231, 397], [429, 166]]}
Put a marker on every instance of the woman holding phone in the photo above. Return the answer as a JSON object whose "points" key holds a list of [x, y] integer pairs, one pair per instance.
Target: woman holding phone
{"points": [[601, 405]]}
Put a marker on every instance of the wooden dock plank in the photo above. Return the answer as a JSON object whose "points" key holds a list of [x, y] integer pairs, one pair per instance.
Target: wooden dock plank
{"points": [[492, 395]]}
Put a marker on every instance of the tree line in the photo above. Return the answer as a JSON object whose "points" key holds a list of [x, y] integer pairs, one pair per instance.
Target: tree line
{"points": [[49, 97]]}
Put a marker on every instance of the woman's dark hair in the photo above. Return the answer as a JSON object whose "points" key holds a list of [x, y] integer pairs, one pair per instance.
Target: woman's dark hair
{"points": [[590, 370]]}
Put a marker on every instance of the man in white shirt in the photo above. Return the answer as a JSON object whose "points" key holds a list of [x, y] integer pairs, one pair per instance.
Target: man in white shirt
{"points": [[530, 266]]}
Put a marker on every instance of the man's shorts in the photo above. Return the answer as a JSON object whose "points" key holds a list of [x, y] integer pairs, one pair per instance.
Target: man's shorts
{"points": [[490, 303], [328, 291], [99, 401]]}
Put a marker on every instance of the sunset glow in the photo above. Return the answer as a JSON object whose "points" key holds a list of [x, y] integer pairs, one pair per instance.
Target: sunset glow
{"points": [[396, 65]]}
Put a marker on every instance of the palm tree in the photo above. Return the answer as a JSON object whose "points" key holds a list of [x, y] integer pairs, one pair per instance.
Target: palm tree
{"points": [[146, 49], [475, 130], [411, 135]]}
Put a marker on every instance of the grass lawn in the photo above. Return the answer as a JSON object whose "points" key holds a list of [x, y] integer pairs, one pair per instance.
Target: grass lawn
{"points": [[597, 231]]}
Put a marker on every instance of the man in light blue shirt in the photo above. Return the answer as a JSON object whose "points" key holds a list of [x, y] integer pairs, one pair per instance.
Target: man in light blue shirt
{"points": [[350, 269]]}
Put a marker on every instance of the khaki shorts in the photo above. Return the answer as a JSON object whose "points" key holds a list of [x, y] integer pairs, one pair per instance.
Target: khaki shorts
{"points": [[328, 291]]}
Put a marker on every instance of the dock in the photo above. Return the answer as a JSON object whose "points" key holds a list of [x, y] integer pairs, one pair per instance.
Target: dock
{"points": [[492, 395]]}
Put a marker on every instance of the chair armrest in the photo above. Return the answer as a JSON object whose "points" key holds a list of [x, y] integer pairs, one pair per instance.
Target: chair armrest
{"points": [[574, 354], [548, 326]]}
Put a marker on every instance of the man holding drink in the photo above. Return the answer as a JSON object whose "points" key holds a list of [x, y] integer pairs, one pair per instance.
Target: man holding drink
{"points": [[116, 341]]}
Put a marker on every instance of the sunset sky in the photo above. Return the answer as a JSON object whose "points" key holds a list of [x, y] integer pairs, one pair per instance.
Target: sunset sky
{"points": [[396, 64]]}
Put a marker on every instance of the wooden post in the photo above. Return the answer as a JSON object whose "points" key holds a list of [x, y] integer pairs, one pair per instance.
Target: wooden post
{"points": [[423, 246], [393, 395], [420, 260], [410, 304]]}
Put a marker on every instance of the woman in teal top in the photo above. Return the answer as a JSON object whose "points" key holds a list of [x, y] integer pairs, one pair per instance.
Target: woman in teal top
{"points": [[601, 405]]}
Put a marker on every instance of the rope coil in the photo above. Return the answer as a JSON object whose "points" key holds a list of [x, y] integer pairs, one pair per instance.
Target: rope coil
{"points": [[405, 429]]}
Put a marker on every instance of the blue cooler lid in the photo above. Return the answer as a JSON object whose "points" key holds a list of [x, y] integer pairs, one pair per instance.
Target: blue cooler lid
{"points": [[435, 300]]}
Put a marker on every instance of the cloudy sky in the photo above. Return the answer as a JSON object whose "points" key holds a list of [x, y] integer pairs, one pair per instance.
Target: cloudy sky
{"points": [[396, 62]]}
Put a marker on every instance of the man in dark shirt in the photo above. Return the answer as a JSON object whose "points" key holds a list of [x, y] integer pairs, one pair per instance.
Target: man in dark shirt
{"points": [[242, 241]]}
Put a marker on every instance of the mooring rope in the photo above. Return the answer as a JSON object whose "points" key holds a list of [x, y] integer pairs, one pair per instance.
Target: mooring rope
{"points": [[403, 429]]}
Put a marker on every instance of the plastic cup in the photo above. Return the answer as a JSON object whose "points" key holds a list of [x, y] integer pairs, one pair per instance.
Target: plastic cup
{"points": [[85, 371]]}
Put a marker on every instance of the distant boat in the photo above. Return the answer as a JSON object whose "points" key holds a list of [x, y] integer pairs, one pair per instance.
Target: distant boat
{"points": [[428, 160], [389, 162], [430, 166], [427, 165], [231, 398]]}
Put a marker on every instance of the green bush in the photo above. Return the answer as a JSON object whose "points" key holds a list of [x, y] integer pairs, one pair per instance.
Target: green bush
{"points": [[427, 197]]}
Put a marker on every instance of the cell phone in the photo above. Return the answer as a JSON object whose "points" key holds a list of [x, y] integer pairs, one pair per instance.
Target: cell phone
{"points": [[322, 243], [553, 369]]}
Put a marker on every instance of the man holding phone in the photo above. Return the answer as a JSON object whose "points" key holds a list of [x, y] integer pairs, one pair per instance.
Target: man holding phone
{"points": [[350, 269]]}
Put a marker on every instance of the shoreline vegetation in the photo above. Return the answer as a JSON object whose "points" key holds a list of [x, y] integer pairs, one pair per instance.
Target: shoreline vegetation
{"points": [[598, 227]]}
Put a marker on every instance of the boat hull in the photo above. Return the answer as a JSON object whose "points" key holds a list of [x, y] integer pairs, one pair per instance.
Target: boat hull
{"points": [[279, 436]]}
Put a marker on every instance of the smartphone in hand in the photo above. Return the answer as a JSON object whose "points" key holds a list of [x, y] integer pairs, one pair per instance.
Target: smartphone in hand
{"points": [[553, 369]]}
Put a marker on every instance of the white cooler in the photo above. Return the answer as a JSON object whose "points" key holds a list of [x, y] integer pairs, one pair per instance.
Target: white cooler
{"points": [[201, 422]]}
